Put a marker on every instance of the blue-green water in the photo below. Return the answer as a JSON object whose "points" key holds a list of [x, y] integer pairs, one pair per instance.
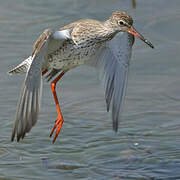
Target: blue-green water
{"points": [[147, 146]]}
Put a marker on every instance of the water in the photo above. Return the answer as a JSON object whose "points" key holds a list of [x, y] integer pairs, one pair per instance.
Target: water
{"points": [[147, 146]]}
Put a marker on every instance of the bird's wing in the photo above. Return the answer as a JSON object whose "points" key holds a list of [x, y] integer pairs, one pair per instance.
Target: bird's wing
{"points": [[29, 101], [113, 62]]}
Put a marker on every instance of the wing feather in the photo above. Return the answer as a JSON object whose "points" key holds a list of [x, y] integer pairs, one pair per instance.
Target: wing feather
{"points": [[113, 62], [29, 102]]}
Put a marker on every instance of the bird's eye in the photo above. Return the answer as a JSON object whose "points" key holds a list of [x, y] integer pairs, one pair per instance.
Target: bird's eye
{"points": [[121, 22]]}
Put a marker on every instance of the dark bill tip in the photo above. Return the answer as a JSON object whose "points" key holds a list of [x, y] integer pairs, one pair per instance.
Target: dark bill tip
{"points": [[148, 43], [133, 31]]}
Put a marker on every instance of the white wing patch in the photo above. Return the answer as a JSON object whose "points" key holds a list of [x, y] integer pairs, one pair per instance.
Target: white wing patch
{"points": [[64, 34]]}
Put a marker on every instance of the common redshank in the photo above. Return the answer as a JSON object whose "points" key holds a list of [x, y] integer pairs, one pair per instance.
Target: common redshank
{"points": [[105, 45]]}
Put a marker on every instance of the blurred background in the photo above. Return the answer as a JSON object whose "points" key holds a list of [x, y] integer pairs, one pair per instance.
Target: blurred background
{"points": [[147, 146]]}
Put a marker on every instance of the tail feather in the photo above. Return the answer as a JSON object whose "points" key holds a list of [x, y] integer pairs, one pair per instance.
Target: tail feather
{"points": [[22, 67]]}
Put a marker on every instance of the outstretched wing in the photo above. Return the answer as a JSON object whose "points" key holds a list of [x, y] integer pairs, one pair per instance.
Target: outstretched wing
{"points": [[113, 62], [29, 102]]}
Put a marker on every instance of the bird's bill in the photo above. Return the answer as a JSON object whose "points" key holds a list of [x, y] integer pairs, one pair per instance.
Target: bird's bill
{"points": [[133, 31]]}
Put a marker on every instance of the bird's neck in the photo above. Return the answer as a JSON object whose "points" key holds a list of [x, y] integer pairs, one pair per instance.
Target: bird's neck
{"points": [[110, 29]]}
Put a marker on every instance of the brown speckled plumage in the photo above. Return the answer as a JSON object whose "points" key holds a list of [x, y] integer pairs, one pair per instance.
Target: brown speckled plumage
{"points": [[106, 45]]}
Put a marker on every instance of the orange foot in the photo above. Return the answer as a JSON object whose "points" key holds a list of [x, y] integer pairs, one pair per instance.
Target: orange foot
{"points": [[59, 120], [58, 124]]}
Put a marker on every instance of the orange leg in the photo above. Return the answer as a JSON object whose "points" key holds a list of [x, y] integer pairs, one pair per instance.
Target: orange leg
{"points": [[59, 120]]}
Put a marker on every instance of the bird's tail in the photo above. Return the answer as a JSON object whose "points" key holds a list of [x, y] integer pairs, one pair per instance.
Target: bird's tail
{"points": [[22, 67]]}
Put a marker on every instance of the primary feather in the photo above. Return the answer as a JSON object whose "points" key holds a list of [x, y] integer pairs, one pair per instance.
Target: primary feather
{"points": [[29, 102]]}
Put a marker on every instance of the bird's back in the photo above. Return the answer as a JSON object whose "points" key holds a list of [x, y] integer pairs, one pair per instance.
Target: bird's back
{"points": [[87, 36]]}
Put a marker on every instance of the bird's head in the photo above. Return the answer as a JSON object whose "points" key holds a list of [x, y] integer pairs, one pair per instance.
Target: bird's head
{"points": [[122, 22]]}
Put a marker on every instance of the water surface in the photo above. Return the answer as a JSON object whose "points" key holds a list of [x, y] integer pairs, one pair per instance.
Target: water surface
{"points": [[147, 145]]}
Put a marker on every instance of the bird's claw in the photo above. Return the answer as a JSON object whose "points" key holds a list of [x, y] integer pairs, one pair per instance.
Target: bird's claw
{"points": [[58, 124]]}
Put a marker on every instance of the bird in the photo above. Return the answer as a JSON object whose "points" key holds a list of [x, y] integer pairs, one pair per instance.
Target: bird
{"points": [[105, 45]]}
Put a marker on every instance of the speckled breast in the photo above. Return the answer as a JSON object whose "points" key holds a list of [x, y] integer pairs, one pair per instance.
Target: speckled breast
{"points": [[70, 55]]}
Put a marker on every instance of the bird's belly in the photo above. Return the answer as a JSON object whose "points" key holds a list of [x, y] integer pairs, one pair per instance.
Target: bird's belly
{"points": [[71, 56]]}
